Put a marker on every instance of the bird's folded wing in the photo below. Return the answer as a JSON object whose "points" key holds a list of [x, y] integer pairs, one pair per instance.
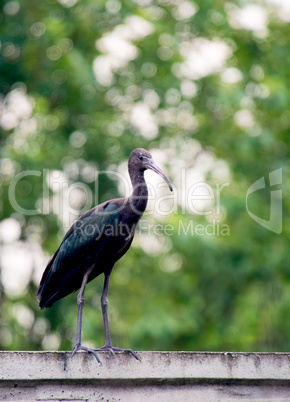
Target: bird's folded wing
{"points": [[81, 247]]}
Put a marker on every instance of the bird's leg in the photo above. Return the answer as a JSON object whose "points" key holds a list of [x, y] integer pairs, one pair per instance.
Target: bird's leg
{"points": [[104, 303], [81, 302]]}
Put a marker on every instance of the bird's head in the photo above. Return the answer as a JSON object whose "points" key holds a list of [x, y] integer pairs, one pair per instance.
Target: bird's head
{"points": [[141, 160]]}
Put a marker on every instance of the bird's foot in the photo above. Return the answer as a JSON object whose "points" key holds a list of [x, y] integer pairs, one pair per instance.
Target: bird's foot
{"points": [[109, 348], [113, 349], [89, 350]]}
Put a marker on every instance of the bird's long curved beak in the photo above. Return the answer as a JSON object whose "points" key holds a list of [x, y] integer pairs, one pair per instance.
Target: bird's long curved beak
{"points": [[150, 164]]}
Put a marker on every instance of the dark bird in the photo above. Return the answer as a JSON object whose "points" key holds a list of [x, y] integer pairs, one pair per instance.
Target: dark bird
{"points": [[92, 246]]}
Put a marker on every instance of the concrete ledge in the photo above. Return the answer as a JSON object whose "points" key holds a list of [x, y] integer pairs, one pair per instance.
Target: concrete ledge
{"points": [[161, 376]]}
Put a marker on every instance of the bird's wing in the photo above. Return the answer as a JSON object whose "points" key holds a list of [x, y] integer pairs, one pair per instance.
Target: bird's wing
{"points": [[80, 249]]}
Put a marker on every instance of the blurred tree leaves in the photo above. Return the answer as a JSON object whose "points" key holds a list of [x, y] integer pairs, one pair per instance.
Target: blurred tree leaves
{"points": [[209, 292]]}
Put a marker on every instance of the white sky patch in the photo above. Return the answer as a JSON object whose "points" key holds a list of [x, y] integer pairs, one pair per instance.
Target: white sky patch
{"points": [[203, 57], [136, 26], [28, 126], [10, 230], [118, 48], [143, 120], [244, 118], [113, 6], [282, 7], [252, 17], [56, 180], [231, 75], [188, 89], [16, 106], [51, 341], [158, 188], [171, 263], [172, 96], [20, 262], [257, 72], [151, 98], [104, 66], [23, 314], [77, 139], [221, 171], [187, 121], [149, 243], [69, 200], [184, 10], [164, 117], [8, 168], [182, 116], [68, 3], [124, 182]]}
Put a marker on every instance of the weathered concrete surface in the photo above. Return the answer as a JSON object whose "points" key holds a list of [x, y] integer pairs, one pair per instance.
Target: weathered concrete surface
{"points": [[161, 376]]}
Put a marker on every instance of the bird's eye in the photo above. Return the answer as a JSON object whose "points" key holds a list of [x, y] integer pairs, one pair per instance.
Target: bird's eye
{"points": [[141, 158]]}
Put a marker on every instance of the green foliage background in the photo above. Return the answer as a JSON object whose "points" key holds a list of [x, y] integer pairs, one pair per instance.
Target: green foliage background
{"points": [[198, 292]]}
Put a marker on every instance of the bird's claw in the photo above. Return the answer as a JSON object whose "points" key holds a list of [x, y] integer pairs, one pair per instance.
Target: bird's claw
{"points": [[108, 348], [89, 350], [113, 349]]}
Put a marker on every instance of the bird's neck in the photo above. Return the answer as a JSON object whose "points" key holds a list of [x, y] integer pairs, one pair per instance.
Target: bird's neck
{"points": [[139, 196]]}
